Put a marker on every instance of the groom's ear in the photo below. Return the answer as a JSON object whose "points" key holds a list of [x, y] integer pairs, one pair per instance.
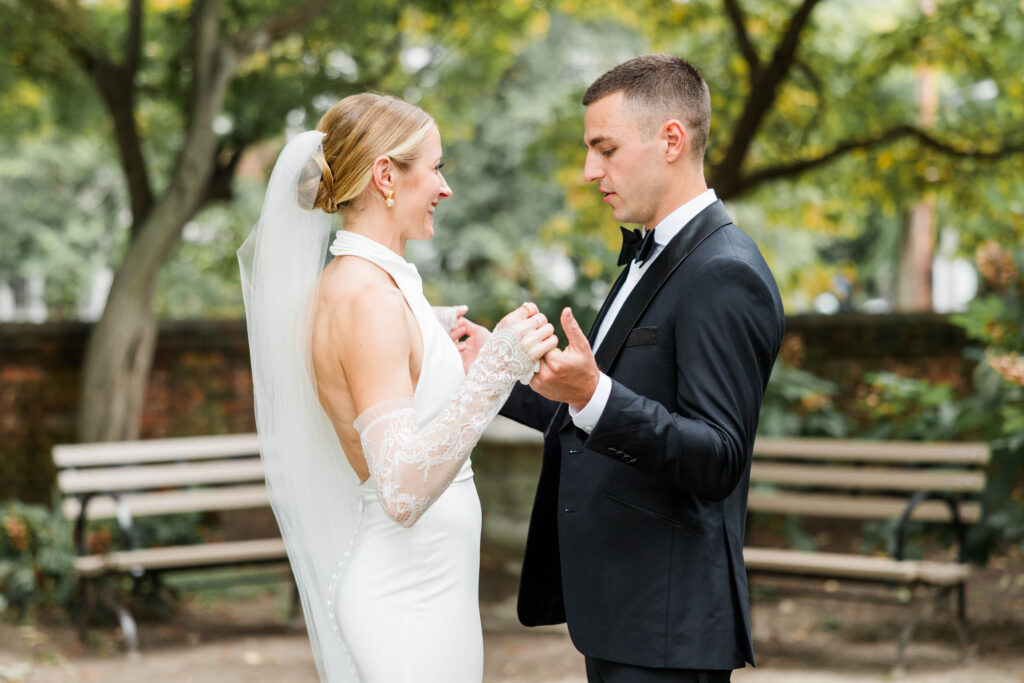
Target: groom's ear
{"points": [[673, 133]]}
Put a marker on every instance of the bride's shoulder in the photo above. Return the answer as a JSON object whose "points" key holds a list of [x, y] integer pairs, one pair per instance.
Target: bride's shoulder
{"points": [[359, 290]]}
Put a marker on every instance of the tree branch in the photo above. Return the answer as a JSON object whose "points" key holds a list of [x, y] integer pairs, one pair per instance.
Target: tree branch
{"points": [[762, 96], [250, 41], [736, 18], [792, 169], [819, 91], [220, 183], [115, 84], [133, 39]]}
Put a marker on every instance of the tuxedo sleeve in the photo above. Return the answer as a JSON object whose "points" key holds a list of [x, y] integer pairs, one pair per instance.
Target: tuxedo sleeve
{"points": [[726, 337], [527, 407]]}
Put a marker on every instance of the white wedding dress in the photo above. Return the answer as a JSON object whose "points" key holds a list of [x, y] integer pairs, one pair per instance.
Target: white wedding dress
{"points": [[387, 569], [407, 603]]}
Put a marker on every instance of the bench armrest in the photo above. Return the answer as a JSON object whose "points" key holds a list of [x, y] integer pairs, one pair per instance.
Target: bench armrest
{"points": [[123, 516], [958, 524]]}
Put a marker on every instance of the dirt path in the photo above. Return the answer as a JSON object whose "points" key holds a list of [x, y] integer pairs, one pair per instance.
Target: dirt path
{"points": [[798, 639]]}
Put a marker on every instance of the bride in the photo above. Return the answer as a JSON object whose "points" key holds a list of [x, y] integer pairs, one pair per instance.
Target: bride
{"points": [[365, 411]]}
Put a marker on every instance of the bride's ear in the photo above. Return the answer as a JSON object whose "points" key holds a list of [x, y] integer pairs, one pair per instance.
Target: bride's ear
{"points": [[383, 172]]}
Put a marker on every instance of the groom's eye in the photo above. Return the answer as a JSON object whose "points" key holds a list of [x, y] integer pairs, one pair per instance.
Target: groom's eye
{"points": [[607, 152]]}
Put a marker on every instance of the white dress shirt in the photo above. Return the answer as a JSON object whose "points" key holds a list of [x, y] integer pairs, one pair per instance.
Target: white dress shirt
{"points": [[586, 419]]}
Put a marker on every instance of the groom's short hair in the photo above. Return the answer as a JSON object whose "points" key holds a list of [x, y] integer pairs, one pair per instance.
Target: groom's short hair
{"points": [[659, 87]]}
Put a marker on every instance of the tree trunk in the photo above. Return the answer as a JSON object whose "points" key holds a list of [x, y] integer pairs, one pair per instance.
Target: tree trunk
{"points": [[118, 358], [119, 352]]}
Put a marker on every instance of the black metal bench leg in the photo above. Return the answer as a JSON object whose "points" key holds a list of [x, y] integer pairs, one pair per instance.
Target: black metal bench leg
{"points": [[87, 602], [127, 623], [919, 610], [958, 617], [901, 648]]}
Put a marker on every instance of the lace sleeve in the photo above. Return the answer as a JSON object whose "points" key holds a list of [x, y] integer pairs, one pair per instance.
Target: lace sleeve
{"points": [[414, 465], [449, 315]]}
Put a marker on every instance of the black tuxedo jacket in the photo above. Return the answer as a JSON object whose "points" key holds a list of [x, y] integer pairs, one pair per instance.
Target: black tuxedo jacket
{"points": [[637, 530]]}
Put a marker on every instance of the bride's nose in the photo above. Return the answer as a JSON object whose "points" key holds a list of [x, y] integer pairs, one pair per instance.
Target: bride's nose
{"points": [[444, 192]]}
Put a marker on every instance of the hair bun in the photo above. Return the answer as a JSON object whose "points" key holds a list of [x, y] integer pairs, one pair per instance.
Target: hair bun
{"points": [[325, 190]]}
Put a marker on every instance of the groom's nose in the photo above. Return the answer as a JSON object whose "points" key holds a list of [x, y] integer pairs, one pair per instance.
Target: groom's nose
{"points": [[592, 167]]}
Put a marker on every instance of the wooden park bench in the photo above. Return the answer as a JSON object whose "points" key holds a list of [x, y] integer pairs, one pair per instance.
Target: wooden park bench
{"points": [[873, 480], [124, 481]]}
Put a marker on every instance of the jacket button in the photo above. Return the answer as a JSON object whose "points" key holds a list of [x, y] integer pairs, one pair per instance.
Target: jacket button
{"points": [[574, 451], [566, 509], [627, 458]]}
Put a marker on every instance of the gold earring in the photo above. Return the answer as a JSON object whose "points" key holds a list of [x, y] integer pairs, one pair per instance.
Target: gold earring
{"points": [[389, 201]]}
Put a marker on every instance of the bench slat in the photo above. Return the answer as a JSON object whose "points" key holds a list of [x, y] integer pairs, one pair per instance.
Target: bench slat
{"points": [[966, 452], [856, 507], [130, 478], [169, 502], [885, 478], [207, 554], [502, 430], [155, 450], [842, 565]]}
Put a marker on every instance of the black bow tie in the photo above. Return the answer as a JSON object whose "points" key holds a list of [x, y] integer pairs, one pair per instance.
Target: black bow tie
{"points": [[635, 245]]}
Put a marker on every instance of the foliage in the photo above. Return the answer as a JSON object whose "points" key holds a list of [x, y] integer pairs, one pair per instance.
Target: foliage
{"points": [[504, 82], [997, 409], [896, 407], [68, 184], [799, 403], [36, 557]]}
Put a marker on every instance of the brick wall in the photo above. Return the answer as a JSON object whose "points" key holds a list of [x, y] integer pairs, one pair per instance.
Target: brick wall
{"points": [[201, 384]]}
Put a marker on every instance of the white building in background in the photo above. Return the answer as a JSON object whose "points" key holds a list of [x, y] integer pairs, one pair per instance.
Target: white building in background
{"points": [[92, 301], [31, 308], [8, 308], [954, 278]]}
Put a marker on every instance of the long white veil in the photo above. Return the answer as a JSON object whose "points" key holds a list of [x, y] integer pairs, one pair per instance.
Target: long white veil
{"points": [[312, 488]]}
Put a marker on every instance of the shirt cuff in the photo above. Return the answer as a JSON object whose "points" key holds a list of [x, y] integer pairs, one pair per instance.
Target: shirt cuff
{"points": [[586, 419]]}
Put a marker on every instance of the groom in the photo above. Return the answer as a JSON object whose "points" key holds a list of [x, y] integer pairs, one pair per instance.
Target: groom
{"points": [[637, 529]]}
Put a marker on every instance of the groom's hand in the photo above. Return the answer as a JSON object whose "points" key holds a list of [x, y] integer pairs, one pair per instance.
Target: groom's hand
{"points": [[568, 375]]}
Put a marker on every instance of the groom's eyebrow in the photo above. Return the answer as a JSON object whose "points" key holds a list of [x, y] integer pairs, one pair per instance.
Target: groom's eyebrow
{"points": [[595, 141]]}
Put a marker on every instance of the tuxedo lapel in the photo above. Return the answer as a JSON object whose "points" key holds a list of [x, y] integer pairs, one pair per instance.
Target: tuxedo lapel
{"points": [[682, 245], [607, 302]]}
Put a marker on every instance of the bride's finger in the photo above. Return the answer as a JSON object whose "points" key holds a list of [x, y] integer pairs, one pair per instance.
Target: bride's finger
{"points": [[540, 349], [538, 335]]}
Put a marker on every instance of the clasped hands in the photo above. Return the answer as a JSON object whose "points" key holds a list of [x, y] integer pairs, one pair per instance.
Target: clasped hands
{"points": [[566, 375]]}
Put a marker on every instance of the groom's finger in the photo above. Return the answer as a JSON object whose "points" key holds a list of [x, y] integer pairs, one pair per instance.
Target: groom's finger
{"points": [[573, 331]]}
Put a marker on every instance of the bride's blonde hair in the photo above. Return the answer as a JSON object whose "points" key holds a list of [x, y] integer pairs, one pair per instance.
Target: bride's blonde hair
{"points": [[357, 130]]}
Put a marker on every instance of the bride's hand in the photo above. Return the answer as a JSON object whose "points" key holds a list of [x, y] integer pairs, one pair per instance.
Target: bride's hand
{"points": [[536, 335], [468, 338], [449, 317]]}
